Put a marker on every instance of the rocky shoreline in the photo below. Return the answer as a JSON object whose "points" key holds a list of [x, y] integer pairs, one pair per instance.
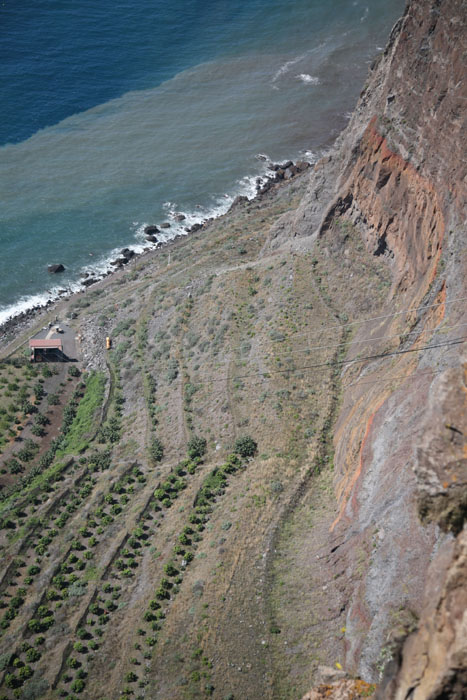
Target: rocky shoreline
{"points": [[279, 174]]}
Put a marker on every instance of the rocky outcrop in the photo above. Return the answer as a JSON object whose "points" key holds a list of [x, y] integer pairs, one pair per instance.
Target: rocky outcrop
{"points": [[432, 663], [397, 175]]}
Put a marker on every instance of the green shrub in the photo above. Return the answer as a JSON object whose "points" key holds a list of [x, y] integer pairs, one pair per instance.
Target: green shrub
{"points": [[11, 681], [35, 625], [40, 419], [14, 466], [156, 450], [172, 371], [32, 655], [37, 430], [78, 685], [245, 446], [196, 447], [170, 570]]}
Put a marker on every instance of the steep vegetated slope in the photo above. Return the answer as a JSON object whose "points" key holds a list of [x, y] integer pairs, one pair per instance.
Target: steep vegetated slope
{"points": [[275, 474]]}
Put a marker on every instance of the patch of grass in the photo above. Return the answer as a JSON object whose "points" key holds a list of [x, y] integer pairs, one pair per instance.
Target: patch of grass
{"points": [[84, 421]]}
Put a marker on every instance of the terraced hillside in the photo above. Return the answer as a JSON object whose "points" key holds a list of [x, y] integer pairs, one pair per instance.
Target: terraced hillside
{"points": [[139, 556]]}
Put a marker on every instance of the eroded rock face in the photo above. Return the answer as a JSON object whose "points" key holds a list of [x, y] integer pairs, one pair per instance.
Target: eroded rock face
{"points": [[397, 208], [433, 661], [398, 176], [441, 462]]}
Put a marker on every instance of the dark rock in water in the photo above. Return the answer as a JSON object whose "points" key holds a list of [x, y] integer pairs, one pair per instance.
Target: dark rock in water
{"points": [[286, 165], [194, 228], [165, 225], [89, 281], [266, 187], [179, 217], [118, 262], [273, 166], [128, 253], [151, 230], [56, 268], [151, 239]]}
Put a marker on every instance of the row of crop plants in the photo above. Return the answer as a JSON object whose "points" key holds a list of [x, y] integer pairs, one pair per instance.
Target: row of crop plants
{"points": [[123, 566], [30, 565], [183, 552], [70, 577], [18, 398], [38, 480], [25, 567], [32, 413]]}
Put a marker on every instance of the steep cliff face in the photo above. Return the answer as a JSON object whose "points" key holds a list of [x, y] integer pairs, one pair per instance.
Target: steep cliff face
{"points": [[398, 176]]}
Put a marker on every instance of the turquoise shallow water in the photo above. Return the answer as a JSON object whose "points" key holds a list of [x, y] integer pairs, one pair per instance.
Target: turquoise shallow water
{"points": [[119, 113]]}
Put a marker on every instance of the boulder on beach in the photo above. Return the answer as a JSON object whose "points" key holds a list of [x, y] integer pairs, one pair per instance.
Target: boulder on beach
{"points": [[266, 187], [238, 201], [56, 268], [151, 230], [90, 280], [127, 253], [290, 172], [194, 228]]}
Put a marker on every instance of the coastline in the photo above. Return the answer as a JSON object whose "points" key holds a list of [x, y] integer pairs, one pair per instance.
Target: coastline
{"points": [[275, 175]]}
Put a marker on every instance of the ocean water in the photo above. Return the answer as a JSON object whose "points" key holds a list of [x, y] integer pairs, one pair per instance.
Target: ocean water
{"points": [[116, 114]]}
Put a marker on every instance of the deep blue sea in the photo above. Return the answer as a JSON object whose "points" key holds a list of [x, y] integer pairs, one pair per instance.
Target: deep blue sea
{"points": [[117, 113]]}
